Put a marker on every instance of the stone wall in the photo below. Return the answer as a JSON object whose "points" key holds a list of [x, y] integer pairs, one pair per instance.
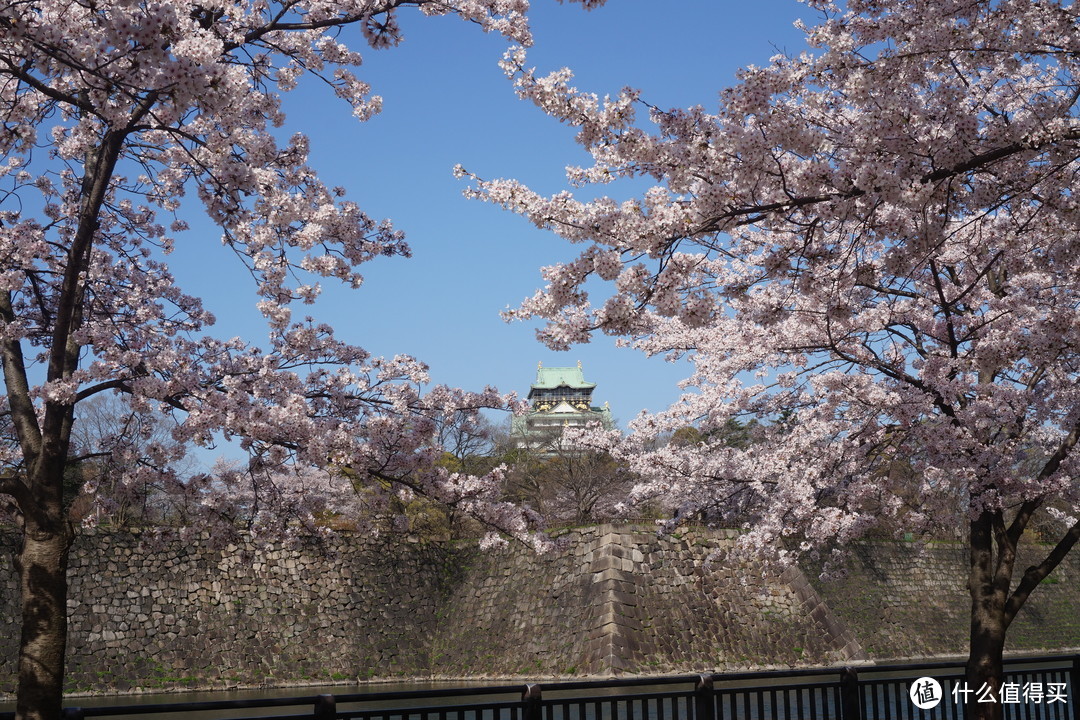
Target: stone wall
{"points": [[617, 599], [907, 600], [199, 615]]}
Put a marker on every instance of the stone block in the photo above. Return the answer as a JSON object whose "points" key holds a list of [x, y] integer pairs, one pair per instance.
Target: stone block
{"points": [[608, 575], [605, 562]]}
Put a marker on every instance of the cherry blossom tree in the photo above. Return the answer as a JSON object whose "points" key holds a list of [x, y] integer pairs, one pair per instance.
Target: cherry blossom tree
{"points": [[871, 248], [113, 113], [565, 482]]}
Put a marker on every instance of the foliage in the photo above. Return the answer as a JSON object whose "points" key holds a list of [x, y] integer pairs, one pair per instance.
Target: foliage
{"points": [[565, 481], [571, 485], [108, 436]]}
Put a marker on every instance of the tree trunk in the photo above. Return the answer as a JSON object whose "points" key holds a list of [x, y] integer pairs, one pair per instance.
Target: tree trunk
{"points": [[984, 667], [42, 567]]}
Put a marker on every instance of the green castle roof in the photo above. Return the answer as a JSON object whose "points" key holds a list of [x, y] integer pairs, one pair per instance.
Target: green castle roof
{"points": [[554, 377]]}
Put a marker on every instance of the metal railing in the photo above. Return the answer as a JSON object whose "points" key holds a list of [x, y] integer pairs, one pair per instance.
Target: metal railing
{"points": [[870, 692]]}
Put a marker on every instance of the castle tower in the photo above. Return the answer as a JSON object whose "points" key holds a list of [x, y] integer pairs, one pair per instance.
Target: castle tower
{"points": [[559, 398]]}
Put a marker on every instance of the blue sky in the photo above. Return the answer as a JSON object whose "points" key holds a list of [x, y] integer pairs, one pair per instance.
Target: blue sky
{"points": [[445, 102]]}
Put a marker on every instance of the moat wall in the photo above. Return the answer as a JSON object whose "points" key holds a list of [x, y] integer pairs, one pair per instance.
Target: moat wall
{"points": [[617, 599]]}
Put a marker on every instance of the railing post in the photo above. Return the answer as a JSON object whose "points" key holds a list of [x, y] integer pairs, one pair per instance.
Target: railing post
{"points": [[704, 698], [530, 702], [1074, 682], [73, 713], [850, 703], [325, 707]]}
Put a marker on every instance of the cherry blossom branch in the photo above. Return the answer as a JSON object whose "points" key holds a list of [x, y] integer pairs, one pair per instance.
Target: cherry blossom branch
{"points": [[17, 383], [23, 75]]}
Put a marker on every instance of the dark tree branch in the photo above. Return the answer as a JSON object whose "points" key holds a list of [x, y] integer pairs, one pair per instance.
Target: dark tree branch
{"points": [[1037, 573], [24, 417]]}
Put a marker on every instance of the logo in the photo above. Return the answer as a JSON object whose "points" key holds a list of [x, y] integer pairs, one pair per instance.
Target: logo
{"points": [[925, 693]]}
